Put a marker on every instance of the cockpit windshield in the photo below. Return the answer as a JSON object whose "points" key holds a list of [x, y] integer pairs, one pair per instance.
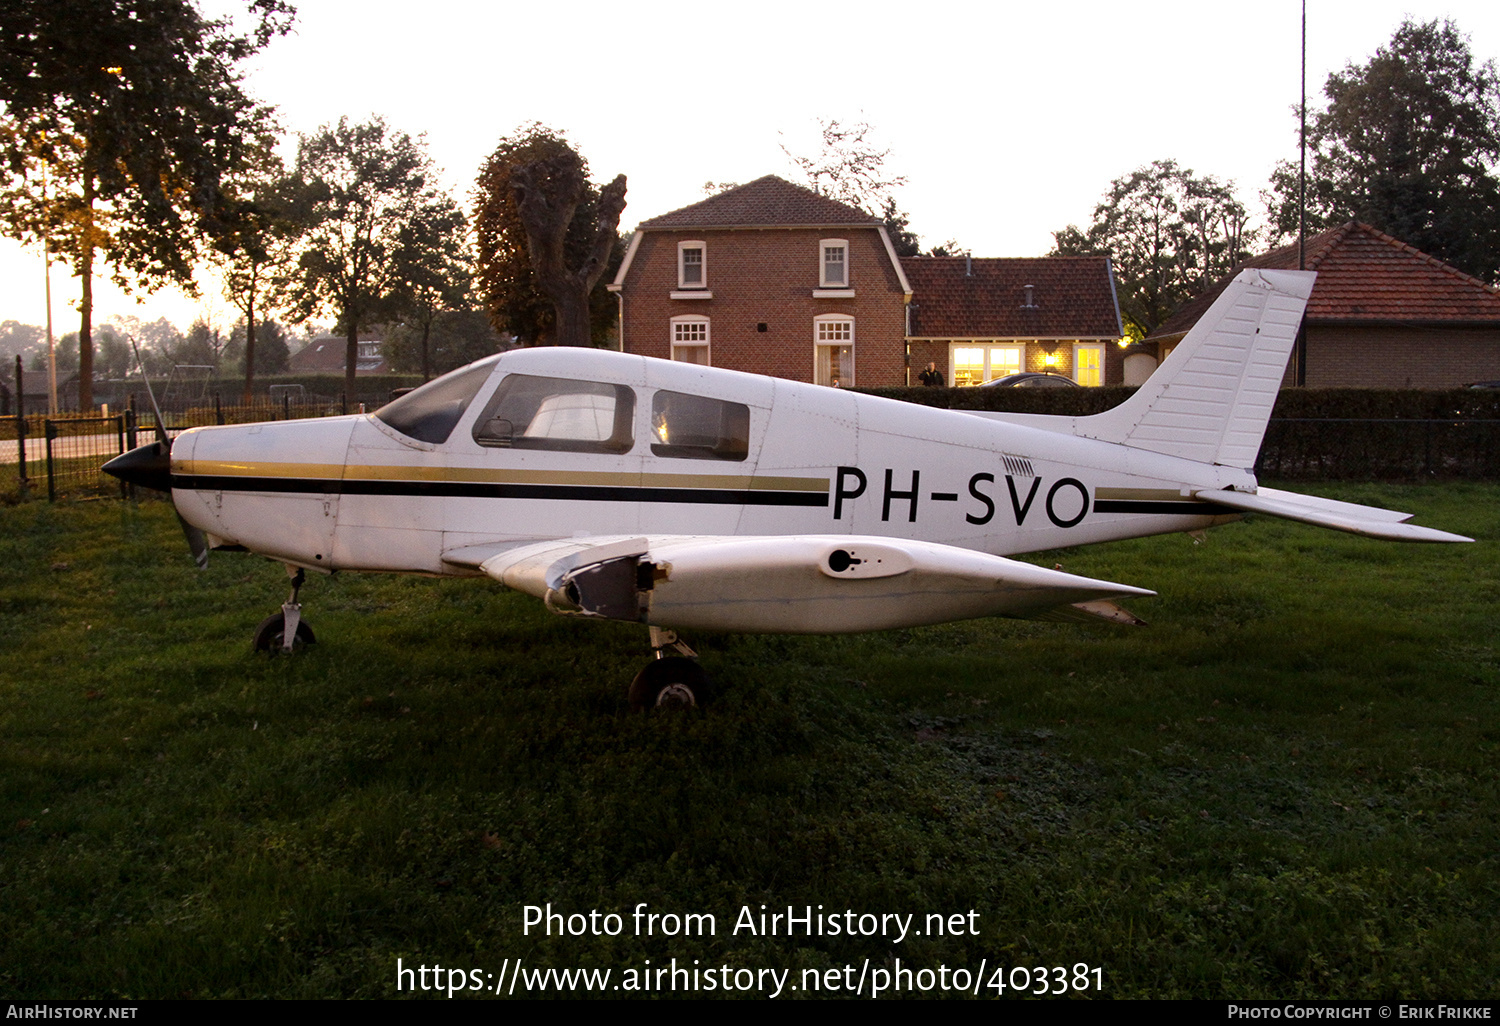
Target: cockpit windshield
{"points": [[429, 413]]}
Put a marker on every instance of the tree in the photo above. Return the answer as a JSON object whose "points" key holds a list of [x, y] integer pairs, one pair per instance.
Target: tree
{"points": [[897, 226], [270, 351], [17, 339], [258, 241], [451, 339], [1170, 235], [545, 239], [365, 194], [439, 281], [118, 124], [906, 242], [848, 168], [1408, 143]]}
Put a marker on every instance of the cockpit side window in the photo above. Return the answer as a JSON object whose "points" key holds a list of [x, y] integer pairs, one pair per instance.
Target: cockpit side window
{"points": [[430, 413], [532, 412], [695, 427]]}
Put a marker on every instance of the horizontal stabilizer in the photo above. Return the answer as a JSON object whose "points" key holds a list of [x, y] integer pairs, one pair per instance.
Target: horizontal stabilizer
{"points": [[1369, 521]]}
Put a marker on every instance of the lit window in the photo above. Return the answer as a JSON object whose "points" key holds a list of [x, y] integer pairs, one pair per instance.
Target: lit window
{"points": [[833, 350], [1088, 364], [976, 363], [834, 264], [692, 265], [690, 340]]}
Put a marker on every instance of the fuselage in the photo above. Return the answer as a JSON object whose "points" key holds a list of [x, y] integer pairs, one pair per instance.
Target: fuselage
{"points": [[558, 443]]}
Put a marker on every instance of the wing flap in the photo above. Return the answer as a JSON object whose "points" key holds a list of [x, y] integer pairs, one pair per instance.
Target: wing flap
{"points": [[1369, 521]]}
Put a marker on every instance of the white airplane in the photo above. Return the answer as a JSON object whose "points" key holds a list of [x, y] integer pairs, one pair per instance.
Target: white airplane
{"points": [[693, 498]]}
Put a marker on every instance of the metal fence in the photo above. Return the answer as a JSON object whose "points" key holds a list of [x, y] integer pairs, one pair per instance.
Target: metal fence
{"points": [[64, 452], [1368, 449]]}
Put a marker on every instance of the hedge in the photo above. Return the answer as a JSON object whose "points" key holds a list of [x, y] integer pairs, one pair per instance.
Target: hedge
{"points": [[1314, 433]]}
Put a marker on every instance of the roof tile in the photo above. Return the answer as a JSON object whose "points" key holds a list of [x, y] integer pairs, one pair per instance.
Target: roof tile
{"points": [[1365, 275], [1073, 297], [765, 202]]}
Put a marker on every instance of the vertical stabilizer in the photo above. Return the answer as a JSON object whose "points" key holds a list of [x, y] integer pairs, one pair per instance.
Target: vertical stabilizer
{"points": [[1210, 400]]}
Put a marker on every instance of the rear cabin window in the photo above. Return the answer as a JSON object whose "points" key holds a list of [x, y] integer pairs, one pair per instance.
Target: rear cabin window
{"points": [[430, 413], [531, 412], [695, 427]]}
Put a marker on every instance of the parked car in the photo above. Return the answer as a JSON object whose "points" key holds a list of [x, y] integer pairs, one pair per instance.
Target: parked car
{"points": [[1032, 379]]}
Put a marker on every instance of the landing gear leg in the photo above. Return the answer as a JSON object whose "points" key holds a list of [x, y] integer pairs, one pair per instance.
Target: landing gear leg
{"points": [[283, 631], [669, 681]]}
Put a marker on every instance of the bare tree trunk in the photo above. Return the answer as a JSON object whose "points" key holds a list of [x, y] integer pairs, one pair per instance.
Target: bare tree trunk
{"points": [[546, 212], [351, 357], [86, 301], [573, 327], [426, 364], [249, 340]]}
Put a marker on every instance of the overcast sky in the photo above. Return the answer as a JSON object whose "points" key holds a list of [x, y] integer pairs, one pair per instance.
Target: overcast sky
{"points": [[1008, 120]]}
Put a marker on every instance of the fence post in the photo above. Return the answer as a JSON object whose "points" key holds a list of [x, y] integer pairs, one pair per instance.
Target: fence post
{"points": [[21, 427], [286, 406], [130, 421], [218, 410], [119, 419], [344, 403], [49, 431]]}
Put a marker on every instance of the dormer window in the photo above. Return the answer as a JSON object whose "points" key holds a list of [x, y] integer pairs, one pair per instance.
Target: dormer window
{"points": [[834, 264], [692, 265]]}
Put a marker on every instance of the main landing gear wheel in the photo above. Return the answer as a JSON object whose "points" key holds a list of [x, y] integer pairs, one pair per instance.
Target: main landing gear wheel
{"points": [[673, 682], [270, 636]]}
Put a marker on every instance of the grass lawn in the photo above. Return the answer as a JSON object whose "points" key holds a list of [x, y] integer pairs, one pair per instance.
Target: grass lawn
{"points": [[1285, 787]]}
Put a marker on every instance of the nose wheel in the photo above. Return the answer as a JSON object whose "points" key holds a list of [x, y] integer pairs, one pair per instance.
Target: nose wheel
{"points": [[286, 631], [669, 682]]}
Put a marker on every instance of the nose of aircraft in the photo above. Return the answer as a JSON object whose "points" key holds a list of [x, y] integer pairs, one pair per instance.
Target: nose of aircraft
{"points": [[149, 466]]}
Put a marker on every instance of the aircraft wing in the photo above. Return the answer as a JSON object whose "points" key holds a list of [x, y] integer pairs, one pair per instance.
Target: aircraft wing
{"points": [[1370, 521], [794, 584]]}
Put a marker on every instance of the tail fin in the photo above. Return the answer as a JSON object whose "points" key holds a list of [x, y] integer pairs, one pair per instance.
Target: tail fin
{"points": [[1210, 400]]}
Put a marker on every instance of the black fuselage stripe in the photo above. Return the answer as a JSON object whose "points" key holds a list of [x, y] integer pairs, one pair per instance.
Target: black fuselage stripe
{"points": [[481, 490], [1185, 508]]}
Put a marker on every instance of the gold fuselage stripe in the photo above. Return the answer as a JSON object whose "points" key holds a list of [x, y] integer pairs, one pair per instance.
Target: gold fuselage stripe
{"points": [[1142, 494], [481, 475]]}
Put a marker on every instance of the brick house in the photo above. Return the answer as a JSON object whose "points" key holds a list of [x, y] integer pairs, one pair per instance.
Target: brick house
{"points": [[980, 319], [326, 353], [1382, 315], [772, 278]]}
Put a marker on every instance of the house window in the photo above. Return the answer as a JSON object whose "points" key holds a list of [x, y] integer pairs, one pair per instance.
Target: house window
{"points": [[974, 364], [690, 340], [833, 350], [834, 264], [1088, 364], [692, 265]]}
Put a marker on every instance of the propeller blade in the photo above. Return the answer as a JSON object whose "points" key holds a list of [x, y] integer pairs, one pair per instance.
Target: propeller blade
{"points": [[197, 542], [150, 466]]}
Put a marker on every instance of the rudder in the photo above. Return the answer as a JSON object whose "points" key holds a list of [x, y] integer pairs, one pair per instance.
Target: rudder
{"points": [[1210, 400]]}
